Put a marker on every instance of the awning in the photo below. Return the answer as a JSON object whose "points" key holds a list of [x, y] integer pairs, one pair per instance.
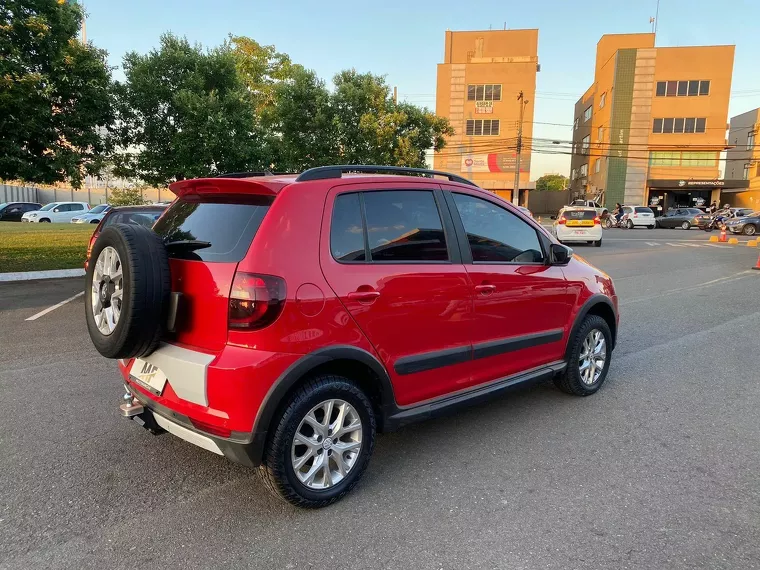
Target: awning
{"points": [[697, 184]]}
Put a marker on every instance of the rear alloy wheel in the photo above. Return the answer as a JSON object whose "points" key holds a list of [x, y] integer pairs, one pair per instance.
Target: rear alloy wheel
{"points": [[321, 444], [588, 359], [686, 226], [749, 230]]}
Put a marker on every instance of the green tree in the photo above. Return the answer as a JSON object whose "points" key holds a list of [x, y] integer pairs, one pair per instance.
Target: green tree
{"points": [[126, 197], [54, 94], [261, 69], [552, 182], [184, 112]]}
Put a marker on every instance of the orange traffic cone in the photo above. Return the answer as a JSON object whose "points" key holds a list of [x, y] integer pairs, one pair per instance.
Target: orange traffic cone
{"points": [[757, 265], [723, 238]]}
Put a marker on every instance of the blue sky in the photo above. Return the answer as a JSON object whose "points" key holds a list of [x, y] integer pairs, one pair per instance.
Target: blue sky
{"points": [[403, 39]]}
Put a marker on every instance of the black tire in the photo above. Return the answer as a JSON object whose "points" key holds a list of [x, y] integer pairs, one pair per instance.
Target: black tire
{"points": [[146, 282], [45, 221], [94, 221], [629, 224], [598, 243], [749, 230], [570, 380], [650, 227], [685, 225], [276, 469]]}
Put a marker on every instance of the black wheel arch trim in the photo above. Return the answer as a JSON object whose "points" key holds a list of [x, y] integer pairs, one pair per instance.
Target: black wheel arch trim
{"points": [[301, 368], [590, 303]]}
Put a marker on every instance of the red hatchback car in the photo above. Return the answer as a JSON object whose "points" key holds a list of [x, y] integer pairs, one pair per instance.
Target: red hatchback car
{"points": [[281, 321]]}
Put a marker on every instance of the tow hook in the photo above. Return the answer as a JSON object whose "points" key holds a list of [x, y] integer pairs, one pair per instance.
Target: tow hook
{"points": [[130, 406]]}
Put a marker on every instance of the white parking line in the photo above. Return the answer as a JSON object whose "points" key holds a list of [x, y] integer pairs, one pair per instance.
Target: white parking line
{"points": [[676, 244], [716, 245], [653, 243], [691, 244], [54, 307]]}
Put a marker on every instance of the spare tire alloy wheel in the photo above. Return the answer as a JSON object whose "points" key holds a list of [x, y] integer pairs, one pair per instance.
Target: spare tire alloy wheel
{"points": [[107, 290], [127, 289]]}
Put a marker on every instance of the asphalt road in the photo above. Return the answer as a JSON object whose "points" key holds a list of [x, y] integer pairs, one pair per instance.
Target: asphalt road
{"points": [[659, 469]]}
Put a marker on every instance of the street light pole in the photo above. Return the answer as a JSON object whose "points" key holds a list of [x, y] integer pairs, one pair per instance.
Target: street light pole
{"points": [[516, 193]]}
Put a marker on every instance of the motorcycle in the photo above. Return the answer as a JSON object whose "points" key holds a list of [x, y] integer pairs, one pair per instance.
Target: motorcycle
{"points": [[717, 222]]}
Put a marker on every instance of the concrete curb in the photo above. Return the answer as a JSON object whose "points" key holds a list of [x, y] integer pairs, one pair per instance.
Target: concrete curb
{"points": [[52, 274]]}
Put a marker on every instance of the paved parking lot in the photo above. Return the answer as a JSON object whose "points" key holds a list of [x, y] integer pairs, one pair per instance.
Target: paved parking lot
{"points": [[660, 469]]}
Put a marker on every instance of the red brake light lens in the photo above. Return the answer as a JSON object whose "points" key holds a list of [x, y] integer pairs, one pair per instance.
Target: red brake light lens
{"points": [[597, 220], [561, 220], [255, 301]]}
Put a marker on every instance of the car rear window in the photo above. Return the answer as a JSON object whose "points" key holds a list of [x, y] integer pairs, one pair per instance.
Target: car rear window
{"points": [[579, 214], [226, 227], [642, 210]]}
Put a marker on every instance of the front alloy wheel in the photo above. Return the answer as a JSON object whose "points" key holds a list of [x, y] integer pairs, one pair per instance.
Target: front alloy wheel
{"points": [[749, 230], [588, 359], [593, 356]]}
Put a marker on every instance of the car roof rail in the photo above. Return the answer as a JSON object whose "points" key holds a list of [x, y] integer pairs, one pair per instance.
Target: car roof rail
{"points": [[326, 172], [244, 174]]}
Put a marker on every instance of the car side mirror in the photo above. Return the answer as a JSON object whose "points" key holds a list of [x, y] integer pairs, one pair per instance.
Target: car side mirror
{"points": [[560, 254]]}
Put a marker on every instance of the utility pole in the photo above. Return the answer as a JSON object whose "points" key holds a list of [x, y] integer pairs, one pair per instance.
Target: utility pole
{"points": [[395, 95], [516, 193]]}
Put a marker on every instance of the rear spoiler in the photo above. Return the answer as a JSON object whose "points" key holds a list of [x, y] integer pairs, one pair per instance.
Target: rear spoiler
{"points": [[226, 187]]}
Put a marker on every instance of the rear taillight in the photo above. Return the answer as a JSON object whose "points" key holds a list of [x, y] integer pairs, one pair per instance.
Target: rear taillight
{"points": [[635, 215], [255, 301], [597, 221], [562, 221]]}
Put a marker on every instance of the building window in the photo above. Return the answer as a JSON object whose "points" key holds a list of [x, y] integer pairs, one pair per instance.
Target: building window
{"points": [[587, 114], [602, 100], [686, 159], [585, 143], [584, 170], [600, 134], [750, 140], [678, 125], [488, 92], [482, 127], [573, 174], [575, 124], [597, 166], [683, 88], [745, 174]]}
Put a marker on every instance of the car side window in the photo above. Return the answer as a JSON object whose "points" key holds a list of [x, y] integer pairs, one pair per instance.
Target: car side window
{"points": [[347, 229], [404, 225], [496, 235], [75, 207], [63, 208]]}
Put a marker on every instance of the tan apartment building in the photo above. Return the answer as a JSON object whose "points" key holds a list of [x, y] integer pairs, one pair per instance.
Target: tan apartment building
{"points": [[477, 90], [743, 160], [651, 127]]}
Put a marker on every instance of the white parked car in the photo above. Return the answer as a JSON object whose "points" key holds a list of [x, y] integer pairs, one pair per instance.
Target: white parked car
{"points": [[600, 210], [93, 216], [578, 224], [57, 212], [639, 216]]}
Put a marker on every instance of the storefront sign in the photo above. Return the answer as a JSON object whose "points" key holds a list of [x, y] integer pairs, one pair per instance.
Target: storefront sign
{"points": [[494, 162], [483, 107], [688, 184]]}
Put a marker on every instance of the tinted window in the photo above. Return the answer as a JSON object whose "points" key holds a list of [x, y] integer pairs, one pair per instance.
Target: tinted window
{"points": [[228, 228], [682, 87], [98, 209], [660, 89], [497, 235], [580, 214], [347, 230], [75, 207], [640, 210], [404, 226], [700, 128], [704, 88], [48, 207]]}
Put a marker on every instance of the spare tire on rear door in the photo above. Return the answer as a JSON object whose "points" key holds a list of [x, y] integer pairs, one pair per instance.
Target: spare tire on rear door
{"points": [[127, 289]]}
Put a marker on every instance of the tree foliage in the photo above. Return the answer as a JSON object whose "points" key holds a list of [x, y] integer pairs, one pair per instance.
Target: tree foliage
{"points": [[184, 112], [552, 182], [126, 197], [54, 94]]}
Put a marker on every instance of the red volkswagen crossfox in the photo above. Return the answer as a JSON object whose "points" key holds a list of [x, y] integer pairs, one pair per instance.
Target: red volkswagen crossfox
{"points": [[282, 321]]}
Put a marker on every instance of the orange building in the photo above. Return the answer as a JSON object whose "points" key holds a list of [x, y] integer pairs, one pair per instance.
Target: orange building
{"points": [[651, 127], [743, 160], [478, 85]]}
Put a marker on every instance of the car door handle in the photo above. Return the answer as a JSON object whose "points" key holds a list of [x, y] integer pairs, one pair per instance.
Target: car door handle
{"points": [[365, 296], [485, 289]]}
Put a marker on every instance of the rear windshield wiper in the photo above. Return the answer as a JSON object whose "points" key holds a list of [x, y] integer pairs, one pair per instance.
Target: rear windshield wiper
{"points": [[190, 244]]}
